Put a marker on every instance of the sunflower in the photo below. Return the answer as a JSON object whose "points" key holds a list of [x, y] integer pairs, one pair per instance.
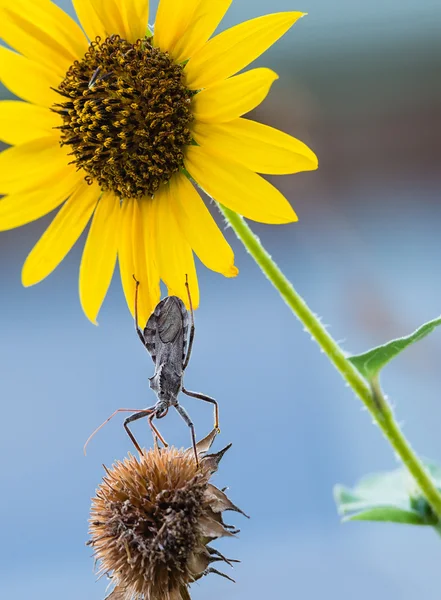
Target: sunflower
{"points": [[119, 120]]}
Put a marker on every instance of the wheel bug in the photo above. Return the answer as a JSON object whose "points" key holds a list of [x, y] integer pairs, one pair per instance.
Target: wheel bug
{"points": [[165, 338]]}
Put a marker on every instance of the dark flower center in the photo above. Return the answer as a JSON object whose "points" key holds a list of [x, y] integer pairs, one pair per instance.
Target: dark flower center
{"points": [[126, 116]]}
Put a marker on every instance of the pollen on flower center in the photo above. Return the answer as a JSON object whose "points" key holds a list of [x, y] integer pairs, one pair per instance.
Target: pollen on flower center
{"points": [[126, 116]]}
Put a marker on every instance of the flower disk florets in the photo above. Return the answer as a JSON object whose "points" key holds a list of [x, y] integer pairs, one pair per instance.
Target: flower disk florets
{"points": [[151, 521], [126, 116]]}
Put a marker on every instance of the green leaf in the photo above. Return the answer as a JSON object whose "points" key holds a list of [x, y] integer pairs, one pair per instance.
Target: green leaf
{"points": [[387, 497], [388, 514], [371, 362]]}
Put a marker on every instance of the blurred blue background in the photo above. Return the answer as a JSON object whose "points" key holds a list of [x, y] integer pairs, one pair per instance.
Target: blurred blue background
{"points": [[360, 84]]}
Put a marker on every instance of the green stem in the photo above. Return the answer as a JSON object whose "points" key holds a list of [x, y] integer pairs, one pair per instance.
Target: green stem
{"points": [[373, 398]]}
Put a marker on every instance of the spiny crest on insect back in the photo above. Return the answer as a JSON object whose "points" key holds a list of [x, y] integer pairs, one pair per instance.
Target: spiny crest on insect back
{"points": [[126, 116]]}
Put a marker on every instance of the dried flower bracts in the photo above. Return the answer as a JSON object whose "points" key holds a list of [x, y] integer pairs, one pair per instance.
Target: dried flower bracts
{"points": [[152, 519]]}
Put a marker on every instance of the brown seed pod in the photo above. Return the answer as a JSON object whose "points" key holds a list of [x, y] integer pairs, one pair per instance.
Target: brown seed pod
{"points": [[152, 519]]}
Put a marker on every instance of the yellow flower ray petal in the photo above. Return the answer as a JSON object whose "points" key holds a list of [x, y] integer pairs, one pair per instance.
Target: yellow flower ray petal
{"points": [[89, 19], [175, 256], [126, 258], [43, 32], [24, 207], [21, 122], [136, 15], [132, 261], [206, 18], [258, 147], [238, 188], [31, 164], [144, 263], [27, 79], [232, 50], [148, 220], [109, 12], [233, 97], [61, 235], [199, 227], [127, 18], [99, 255], [172, 20]]}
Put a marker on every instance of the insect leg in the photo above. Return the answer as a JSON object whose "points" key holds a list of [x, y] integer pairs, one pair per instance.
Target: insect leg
{"points": [[138, 330], [191, 340], [155, 431], [189, 422], [106, 421], [206, 399], [138, 415]]}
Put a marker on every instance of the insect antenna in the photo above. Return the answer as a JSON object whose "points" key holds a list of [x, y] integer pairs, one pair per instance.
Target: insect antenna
{"points": [[118, 410], [146, 412], [137, 328]]}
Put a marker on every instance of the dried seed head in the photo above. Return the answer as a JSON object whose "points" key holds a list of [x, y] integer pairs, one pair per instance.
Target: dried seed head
{"points": [[151, 521]]}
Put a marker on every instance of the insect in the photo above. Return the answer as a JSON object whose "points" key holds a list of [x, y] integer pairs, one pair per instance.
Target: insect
{"points": [[95, 75], [96, 79], [165, 338]]}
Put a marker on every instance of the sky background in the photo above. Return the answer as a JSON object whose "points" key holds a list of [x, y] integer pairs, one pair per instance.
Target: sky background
{"points": [[360, 84]]}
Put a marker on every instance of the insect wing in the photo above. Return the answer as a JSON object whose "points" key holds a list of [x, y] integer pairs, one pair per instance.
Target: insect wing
{"points": [[172, 320], [167, 329]]}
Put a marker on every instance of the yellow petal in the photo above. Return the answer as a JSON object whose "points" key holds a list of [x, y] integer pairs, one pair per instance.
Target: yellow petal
{"points": [[127, 18], [21, 122], [32, 164], [133, 262], [136, 18], [89, 19], [28, 79], [172, 20], [61, 234], [110, 15], [258, 147], [206, 18], [146, 271], [199, 227], [148, 224], [126, 257], [99, 255], [233, 97], [175, 257], [234, 49], [238, 188], [27, 206], [43, 32]]}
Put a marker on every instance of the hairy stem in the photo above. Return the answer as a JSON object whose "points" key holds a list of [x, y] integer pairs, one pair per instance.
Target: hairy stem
{"points": [[372, 398]]}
